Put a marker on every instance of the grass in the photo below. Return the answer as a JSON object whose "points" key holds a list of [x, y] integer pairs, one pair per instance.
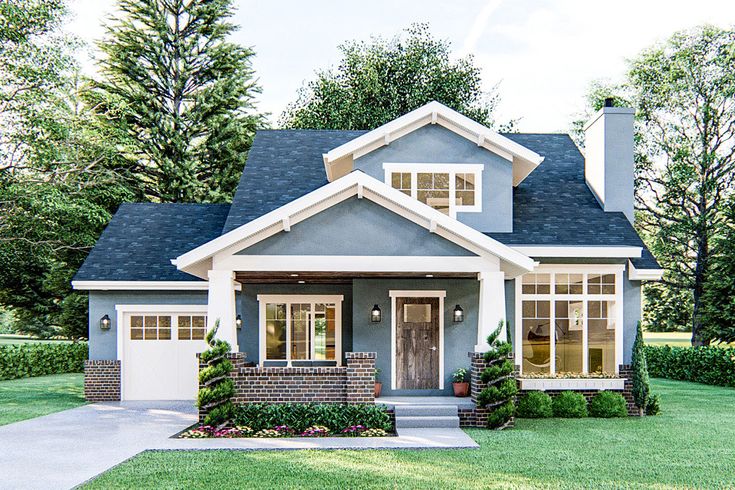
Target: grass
{"points": [[23, 339], [688, 446], [674, 339], [26, 398]]}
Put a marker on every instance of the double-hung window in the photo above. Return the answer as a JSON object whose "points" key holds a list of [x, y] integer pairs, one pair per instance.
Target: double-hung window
{"points": [[447, 187], [300, 328], [569, 320]]}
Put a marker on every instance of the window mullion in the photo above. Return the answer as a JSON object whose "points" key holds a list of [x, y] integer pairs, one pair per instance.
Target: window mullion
{"points": [[312, 332], [288, 334], [552, 326]]}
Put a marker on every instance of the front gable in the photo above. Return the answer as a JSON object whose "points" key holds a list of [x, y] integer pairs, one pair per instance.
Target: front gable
{"points": [[356, 227]]}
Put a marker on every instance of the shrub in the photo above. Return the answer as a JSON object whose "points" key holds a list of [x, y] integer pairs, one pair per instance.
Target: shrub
{"points": [[302, 416], [535, 405], [40, 359], [654, 405], [217, 388], [607, 404], [498, 395], [641, 388], [569, 404], [707, 364]]}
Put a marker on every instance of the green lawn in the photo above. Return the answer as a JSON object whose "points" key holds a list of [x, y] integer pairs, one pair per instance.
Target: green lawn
{"points": [[690, 445], [27, 398], [23, 339]]}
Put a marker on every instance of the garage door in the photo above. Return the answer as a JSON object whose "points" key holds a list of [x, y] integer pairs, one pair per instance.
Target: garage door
{"points": [[160, 350]]}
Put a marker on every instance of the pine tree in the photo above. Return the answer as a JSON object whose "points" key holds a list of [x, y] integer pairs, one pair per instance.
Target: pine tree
{"points": [[182, 92], [501, 388], [641, 388]]}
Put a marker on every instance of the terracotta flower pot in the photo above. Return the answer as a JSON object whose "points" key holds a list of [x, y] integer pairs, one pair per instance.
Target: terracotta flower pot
{"points": [[461, 389], [378, 387]]}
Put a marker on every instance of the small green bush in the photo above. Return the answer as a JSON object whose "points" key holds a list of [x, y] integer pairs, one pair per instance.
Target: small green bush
{"points": [[301, 416], [535, 405], [569, 404], [40, 359], [710, 365], [607, 404], [653, 407]]}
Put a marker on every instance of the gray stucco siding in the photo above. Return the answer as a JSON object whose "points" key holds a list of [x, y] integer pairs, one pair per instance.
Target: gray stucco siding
{"points": [[356, 227], [459, 338], [436, 144], [103, 344]]}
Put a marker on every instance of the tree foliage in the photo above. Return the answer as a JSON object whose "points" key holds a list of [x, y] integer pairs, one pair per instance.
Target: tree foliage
{"points": [[719, 288], [182, 93], [381, 80]]}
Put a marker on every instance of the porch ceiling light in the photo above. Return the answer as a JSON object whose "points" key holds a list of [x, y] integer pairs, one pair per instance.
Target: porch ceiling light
{"points": [[458, 315], [105, 322], [238, 322], [375, 315]]}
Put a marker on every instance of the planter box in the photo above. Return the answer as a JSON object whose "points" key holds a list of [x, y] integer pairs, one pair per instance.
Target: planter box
{"points": [[577, 384]]}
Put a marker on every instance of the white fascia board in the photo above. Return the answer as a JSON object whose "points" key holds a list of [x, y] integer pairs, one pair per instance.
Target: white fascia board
{"points": [[622, 252], [434, 112], [644, 274], [140, 285], [344, 188]]}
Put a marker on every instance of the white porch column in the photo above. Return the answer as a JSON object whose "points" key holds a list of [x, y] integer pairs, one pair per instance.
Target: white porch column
{"points": [[491, 308], [221, 305]]}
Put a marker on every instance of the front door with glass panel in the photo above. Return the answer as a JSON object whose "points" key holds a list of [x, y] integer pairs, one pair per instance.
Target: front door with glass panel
{"points": [[417, 343]]}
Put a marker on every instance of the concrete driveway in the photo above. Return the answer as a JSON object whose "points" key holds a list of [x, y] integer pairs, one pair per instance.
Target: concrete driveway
{"points": [[67, 448]]}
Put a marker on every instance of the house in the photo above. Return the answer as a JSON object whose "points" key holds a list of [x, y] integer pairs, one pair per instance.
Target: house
{"points": [[400, 247]]}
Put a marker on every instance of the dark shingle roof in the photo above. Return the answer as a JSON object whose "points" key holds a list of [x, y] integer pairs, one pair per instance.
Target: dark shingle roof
{"points": [[282, 165], [141, 239]]}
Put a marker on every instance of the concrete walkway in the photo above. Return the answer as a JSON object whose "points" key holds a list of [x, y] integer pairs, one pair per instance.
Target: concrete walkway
{"points": [[67, 448]]}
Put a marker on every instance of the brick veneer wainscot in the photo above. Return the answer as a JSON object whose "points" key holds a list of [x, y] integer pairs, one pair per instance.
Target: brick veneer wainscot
{"points": [[102, 380]]}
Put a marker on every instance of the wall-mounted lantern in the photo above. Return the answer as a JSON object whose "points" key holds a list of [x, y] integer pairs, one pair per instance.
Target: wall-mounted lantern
{"points": [[375, 315], [238, 322], [458, 315], [105, 322]]}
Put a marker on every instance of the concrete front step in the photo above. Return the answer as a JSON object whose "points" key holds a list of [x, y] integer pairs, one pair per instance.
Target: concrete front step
{"points": [[425, 410], [427, 422]]}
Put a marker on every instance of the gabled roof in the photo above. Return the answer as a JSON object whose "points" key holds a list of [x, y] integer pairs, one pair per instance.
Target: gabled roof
{"points": [[357, 183], [338, 161], [139, 241]]}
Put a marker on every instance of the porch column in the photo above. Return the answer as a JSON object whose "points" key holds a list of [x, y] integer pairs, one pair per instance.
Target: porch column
{"points": [[221, 305], [491, 307]]}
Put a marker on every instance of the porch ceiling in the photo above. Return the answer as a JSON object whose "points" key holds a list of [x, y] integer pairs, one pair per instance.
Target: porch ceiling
{"points": [[336, 277]]}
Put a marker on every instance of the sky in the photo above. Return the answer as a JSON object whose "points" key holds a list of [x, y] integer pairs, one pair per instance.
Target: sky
{"points": [[542, 53]]}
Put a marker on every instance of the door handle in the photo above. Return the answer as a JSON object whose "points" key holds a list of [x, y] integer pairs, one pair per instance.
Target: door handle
{"points": [[433, 347]]}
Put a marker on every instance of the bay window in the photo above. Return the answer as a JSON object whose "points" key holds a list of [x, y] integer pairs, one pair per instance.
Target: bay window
{"points": [[569, 320], [449, 188]]}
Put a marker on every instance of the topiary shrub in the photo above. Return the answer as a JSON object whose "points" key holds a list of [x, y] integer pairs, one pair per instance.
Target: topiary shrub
{"points": [[535, 405], [216, 386], [607, 404], [641, 388], [569, 404], [501, 388]]}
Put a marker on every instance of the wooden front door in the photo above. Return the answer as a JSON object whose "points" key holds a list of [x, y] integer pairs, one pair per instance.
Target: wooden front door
{"points": [[417, 343]]}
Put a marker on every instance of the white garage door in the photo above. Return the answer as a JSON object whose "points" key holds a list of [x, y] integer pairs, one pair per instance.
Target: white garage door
{"points": [[159, 354]]}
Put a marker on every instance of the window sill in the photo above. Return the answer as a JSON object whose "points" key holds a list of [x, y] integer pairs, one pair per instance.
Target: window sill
{"points": [[548, 384]]}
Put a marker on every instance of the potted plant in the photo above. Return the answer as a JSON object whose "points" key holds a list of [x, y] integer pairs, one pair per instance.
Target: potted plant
{"points": [[459, 382], [378, 384]]}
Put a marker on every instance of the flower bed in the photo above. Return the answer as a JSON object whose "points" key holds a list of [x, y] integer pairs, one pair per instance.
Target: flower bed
{"points": [[208, 431]]}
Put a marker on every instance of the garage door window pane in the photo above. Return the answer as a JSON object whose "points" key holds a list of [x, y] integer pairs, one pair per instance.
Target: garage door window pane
{"points": [[184, 328], [136, 328], [164, 328], [198, 327], [151, 327]]}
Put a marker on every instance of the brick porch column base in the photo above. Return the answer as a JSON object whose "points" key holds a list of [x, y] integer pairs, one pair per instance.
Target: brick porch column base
{"points": [[102, 380], [360, 377]]}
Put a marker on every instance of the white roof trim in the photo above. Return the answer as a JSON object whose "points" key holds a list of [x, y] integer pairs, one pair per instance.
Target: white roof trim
{"points": [[374, 190], [571, 251], [644, 274], [141, 285], [436, 113]]}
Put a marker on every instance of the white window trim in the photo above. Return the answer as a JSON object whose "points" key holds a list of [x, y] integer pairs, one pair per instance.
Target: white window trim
{"points": [[290, 299], [449, 168], [617, 269], [393, 294], [122, 310]]}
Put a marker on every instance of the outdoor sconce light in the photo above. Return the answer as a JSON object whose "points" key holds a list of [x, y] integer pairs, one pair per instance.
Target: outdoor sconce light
{"points": [[458, 314], [238, 322], [105, 323], [375, 314]]}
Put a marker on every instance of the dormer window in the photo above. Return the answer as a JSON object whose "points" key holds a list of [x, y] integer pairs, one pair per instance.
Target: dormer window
{"points": [[447, 187]]}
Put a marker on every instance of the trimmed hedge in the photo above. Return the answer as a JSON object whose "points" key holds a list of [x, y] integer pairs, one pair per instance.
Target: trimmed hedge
{"points": [[607, 404], [570, 405], [535, 405], [301, 416], [40, 359], [709, 365]]}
